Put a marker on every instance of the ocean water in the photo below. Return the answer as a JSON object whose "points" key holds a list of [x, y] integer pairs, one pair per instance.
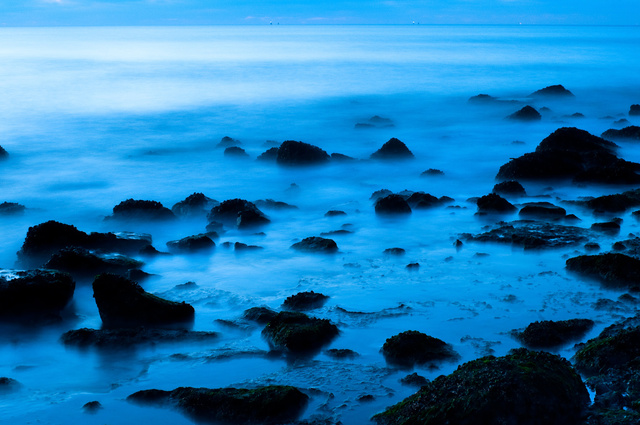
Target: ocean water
{"points": [[94, 116]]}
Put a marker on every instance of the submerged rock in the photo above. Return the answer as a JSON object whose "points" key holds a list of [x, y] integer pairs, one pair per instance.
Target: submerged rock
{"points": [[82, 262], [342, 353], [552, 91], [274, 205], [194, 205], [509, 187], [392, 205], [523, 388], [133, 209], [527, 113], [532, 235], [196, 243], [34, 295], [302, 301], [392, 150], [273, 404], [412, 347], [238, 212], [316, 244], [299, 333], [613, 270], [11, 208], [628, 133], [550, 334], [115, 338], [123, 303], [8, 385], [291, 152], [493, 203]]}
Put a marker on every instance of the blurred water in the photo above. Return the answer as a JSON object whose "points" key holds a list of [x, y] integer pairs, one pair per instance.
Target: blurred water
{"points": [[93, 116]]}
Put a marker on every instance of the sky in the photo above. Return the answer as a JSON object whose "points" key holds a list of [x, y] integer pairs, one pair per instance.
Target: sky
{"points": [[262, 12]]}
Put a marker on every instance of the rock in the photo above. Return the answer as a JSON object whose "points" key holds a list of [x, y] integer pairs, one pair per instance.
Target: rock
{"points": [[261, 315], [92, 407], [115, 338], [509, 187], [493, 203], [338, 157], [11, 208], [316, 244], [298, 333], [3, 154], [196, 243], [299, 153], [413, 266], [137, 275], [133, 209], [527, 113], [542, 210], [341, 353], [238, 212], [8, 385], [524, 388], [628, 133], [610, 227], [235, 152], [613, 270], [270, 154], [532, 235], [264, 405], [274, 205], [239, 246], [81, 262], [552, 91], [634, 110], [123, 303], [422, 200], [482, 98], [303, 301], [380, 194], [432, 172], [392, 205], [227, 141], [34, 295], [194, 205], [334, 213], [412, 347], [392, 150], [394, 251], [614, 203], [414, 380], [550, 334]]}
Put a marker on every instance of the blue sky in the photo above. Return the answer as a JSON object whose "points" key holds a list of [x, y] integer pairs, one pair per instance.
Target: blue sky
{"points": [[199, 12]]}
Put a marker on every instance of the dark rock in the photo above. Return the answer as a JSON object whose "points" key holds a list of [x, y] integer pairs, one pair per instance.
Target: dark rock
{"points": [[334, 213], [591, 246], [532, 235], [47, 238], [116, 338], [3, 153], [338, 157], [235, 152], [137, 275], [274, 205], [340, 232], [413, 266], [613, 270], [493, 203], [524, 388], [227, 141], [303, 301], [187, 285], [81, 262], [299, 153], [527, 113], [264, 405], [299, 333], [376, 119], [394, 251], [133, 209], [380, 194], [196, 243], [550, 334], [341, 353], [552, 91], [392, 204], [92, 407], [621, 122], [123, 303], [431, 172], [619, 246], [614, 203], [609, 227], [8, 385], [509, 187], [634, 110], [316, 244], [412, 347], [239, 246], [261, 315], [238, 212], [393, 149], [628, 133], [194, 205], [150, 251], [482, 98], [34, 295], [421, 200], [270, 154], [414, 380], [365, 398], [542, 210], [11, 208], [458, 243]]}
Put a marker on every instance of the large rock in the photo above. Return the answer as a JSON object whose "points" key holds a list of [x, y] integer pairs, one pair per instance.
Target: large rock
{"points": [[527, 113], [299, 333], [509, 188], [542, 210], [412, 347], [533, 235], [238, 212], [123, 303], [273, 404], [494, 203], [302, 301], [422, 200], [133, 209], [618, 202], [300, 153], [194, 205], [392, 150], [551, 334], [316, 244], [261, 315], [392, 205], [634, 110], [552, 91], [190, 244], [115, 338], [34, 295], [613, 270], [81, 262], [628, 133], [521, 388]]}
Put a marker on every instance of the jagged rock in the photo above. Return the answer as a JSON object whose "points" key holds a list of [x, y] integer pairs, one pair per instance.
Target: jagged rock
{"points": [[392, 204], [550, 334], [196, 243], [542, 210], [299, 333], [303, 301], [628, 133], [524, 388], [194, 205], [264, 405], [235, 152], [11, 208], [634, 110], [552, 91], [613, 270], [238, 212], [393, 149], [509, 187], [527, 113], [123, 303], [412, 347], [494, 203], [133, 209], [114, 338], [316, 244], [300, 153], [261, 315], [81, 262], [34, 295], [532, 235]]}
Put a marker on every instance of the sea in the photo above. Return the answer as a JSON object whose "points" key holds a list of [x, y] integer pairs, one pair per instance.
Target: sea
{"points": [[92, 116]]}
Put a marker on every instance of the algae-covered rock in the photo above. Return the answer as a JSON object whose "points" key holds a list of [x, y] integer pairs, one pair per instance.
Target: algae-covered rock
{"points": [[299, 333], [274, 404], [612, 269], [123, 303], [549, 334], [521, 388], [413, 347]]}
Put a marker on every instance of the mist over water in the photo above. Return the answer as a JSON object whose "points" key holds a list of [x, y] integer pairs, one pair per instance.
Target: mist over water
{"points": [[94, 116]]}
